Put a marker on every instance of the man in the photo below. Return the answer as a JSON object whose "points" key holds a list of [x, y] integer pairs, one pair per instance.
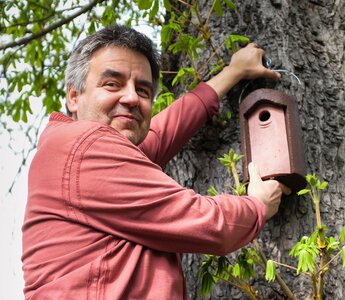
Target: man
{"points": [[103, 221]]}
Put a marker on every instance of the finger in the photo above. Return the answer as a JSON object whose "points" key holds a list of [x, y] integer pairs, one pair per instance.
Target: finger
{"points": [[285, 189], [254, 173], [255, 45], [258, 46], [267, 73]]}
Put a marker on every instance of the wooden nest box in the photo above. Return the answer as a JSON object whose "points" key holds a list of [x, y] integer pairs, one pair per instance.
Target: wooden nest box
{"points": [[271, 137]]}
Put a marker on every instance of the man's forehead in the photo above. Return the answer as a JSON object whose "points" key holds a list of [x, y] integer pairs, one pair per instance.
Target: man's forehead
{"points": [[117, 58], [118, 54]]}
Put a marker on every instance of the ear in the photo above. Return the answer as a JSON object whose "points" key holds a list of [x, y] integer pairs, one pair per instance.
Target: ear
{"points": [[72, 100]]}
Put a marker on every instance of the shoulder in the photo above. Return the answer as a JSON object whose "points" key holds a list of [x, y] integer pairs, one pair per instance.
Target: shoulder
{"points": [[64, 136], [63, 130]]}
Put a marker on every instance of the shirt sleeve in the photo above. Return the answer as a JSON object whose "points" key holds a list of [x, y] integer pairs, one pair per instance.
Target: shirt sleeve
{"points": [[171, 129], [113, 187]]}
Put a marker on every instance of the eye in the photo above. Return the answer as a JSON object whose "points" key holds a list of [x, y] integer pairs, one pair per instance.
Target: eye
{"points": [[111, 83], [144, 92]]}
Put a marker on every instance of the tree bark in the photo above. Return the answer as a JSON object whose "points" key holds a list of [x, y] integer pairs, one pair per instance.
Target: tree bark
{"points": [[308, 39]]}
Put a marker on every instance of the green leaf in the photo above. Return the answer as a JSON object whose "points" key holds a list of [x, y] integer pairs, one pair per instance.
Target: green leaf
{"points": [[236, 272], [305, 262], [303, 192], [188, 44], [311, 179], [162, 102], [168, 30], [228, 116], [306, 250], [181, 75], [323, 185], [212, 191], [167, 5], [206, 284], [232, 39], [218, 8], [241, 190], [332, 244], [216, 68], [154, 10], [230, 4], [225, 161], [342, 235], [343, 255], [222, 266], [230, 158], [144, 4], [270, 271]]}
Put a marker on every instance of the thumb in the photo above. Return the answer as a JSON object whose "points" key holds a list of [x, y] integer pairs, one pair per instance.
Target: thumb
{"points": [[254, 173], [285, 190]]}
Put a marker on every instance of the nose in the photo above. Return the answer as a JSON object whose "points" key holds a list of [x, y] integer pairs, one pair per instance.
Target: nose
{"points": [[130, 96]]}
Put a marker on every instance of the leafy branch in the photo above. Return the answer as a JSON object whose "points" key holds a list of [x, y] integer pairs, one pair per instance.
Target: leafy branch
{"points": [[188, 44], [50, 28], [239, 273], [315, 253]]}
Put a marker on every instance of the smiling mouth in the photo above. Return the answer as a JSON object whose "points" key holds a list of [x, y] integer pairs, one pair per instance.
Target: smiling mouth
{"points": [[127, 119], [126, 116]]}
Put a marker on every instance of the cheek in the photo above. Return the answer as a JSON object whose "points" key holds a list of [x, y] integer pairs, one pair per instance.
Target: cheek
{"points": [[102, 103], [146, 111]]}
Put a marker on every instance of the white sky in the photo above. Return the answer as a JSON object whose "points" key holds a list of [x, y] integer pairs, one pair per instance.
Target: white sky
{"points": [[12, 206]]}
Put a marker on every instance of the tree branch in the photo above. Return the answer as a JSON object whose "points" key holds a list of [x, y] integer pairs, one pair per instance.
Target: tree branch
{"points": [[57, 12], [28, 39]]}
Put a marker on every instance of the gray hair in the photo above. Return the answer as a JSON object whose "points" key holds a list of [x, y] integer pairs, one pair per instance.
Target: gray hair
{"points": [[115, 35]]}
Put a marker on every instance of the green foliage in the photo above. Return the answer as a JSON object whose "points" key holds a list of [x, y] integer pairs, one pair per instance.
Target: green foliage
{"points": [[214, 269], [207, 279], [212, 191], [36, 39], [220, 268], [171, 28], [181, 77], [306, 250], [303, 192], [314, 254], [342, 235], [229, 159], [219, 9], [270, 271], [331, 244], [187, 43], [244, 267], [145, 4], [162, 101], [232, 40]]}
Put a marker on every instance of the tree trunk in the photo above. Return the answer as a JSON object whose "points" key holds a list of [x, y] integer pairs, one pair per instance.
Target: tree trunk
{"points": [[306, 38]]}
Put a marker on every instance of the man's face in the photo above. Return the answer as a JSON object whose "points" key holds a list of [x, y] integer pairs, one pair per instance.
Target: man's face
{"points": [[118, 92]]}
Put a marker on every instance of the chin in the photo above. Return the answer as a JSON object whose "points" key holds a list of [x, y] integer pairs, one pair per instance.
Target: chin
{"points": [[135, 139]]}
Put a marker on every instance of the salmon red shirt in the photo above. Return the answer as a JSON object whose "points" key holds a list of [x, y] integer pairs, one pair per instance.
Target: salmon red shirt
{"points": [[103, 221]]}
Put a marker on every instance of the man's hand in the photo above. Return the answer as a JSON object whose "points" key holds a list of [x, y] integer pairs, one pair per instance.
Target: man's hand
{"points": [[248, 63], [268, 191], [245, 64]]}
